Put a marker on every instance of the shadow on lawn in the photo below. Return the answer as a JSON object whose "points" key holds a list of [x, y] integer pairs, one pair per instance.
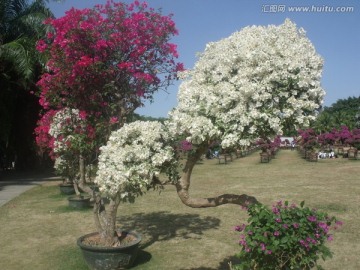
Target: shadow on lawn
{"points": [[163, 226], [224, 265]]}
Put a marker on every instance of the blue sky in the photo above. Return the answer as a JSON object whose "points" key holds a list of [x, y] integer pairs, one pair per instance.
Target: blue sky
{"points": [[333, 26]]}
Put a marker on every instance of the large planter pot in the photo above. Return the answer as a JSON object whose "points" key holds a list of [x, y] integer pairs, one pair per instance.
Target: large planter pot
{"points": [[90, 185], [352, 153], [357, 155], [67, 189], [340, 151], [79, 202], [265, 157], [110, 258], [312, 156]]}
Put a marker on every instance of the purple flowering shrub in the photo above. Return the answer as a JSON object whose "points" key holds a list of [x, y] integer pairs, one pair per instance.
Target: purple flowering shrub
{"points": [[355, 140], [284, 237], [185, 146], [267, 144], [308, 139]]}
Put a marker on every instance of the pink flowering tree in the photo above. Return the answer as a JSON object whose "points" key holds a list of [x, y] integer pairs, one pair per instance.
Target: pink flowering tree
{"points": [[308, 139], [353, 138], [343, 135], [328, 138], [104, 62]]}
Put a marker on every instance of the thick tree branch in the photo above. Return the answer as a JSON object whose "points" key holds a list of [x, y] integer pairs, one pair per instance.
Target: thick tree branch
{"points": [[105, 219], [243, 200], [183, 187]]}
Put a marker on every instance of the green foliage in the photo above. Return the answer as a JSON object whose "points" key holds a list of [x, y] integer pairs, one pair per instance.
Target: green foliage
{"points": [[342, 113], [284, 237], [137, 117], [20, 65], [350, 105]]}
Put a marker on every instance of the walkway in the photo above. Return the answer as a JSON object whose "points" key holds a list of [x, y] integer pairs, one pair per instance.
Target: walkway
{"points": [[12, 184]]}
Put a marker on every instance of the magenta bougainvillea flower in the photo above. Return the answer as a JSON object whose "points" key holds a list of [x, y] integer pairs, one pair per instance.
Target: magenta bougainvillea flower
{"points": [[104, 62]]}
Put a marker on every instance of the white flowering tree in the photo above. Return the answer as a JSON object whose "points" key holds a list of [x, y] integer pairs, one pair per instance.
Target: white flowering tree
{"points": [[247, 86], [130, 163], [70, 145]]}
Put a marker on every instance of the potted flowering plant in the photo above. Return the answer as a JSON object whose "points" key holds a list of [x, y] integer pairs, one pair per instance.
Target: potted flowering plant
{"points": [[268, 148], [70, 143], [104, 62], [264, 145], [129, 164], [354, 141], [284, 237], [308, 140], [138, 154]]}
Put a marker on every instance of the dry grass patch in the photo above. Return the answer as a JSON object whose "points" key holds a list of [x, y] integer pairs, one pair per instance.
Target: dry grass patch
{"points": [[38, 231]]}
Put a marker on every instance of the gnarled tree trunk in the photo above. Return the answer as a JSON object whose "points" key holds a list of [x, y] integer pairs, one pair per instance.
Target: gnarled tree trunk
{"points": [[183, 185], [105, 220], [82, 181]]}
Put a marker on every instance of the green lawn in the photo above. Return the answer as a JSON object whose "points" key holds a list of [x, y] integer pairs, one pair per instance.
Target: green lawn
{"points": [[38, 231]]}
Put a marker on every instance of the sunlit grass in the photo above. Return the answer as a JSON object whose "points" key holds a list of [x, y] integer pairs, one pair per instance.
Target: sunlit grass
{"points": [[39, 231]]}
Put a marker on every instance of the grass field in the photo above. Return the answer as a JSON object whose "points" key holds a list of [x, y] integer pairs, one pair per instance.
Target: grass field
{"points": [[38, 231]]}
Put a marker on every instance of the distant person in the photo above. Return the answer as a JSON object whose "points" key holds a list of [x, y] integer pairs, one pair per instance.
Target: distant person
{"points": [[292, 145]]}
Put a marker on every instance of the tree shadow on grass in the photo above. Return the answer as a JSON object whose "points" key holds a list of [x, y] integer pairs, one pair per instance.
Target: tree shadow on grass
{"points": [[223, 265], [142, 257], [163, 226]]}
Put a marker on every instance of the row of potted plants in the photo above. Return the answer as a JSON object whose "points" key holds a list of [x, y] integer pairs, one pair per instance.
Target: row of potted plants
{"points": [[345, 141]]}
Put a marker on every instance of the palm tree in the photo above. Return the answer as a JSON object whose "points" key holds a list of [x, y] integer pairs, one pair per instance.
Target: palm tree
{"points": [[20, 65], [21, 27], [323, 123]]}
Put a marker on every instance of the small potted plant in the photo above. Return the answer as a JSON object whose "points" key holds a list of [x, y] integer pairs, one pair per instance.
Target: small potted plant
{"points": [[70, 145], [284, 237], [265, 146], [63, 169]]}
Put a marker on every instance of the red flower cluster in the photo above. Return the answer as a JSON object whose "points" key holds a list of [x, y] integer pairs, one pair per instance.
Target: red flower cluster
{"points": [[104, 61]]}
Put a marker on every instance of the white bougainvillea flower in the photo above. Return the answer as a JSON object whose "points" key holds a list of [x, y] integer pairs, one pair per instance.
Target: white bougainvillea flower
{"points": [[132, 157], [248, 85], [65, 124]]}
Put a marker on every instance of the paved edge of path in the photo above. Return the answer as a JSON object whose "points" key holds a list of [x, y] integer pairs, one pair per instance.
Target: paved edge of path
{"points": [[12, 185]]}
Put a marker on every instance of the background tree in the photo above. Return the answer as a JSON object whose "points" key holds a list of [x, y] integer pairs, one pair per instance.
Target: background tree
{"points": [[342, 113], [20, 65], [357, 119], [137, 117]]}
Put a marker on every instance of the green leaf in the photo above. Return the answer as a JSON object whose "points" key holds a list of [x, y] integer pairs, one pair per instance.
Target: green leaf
{"points": [[284, 240], [302, 204]]}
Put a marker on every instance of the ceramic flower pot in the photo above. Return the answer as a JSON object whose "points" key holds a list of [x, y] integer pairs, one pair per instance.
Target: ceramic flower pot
{"points": [[110, 258], [79, 202], [352, 153], [264, 157], [67, 189], [312, 156]]}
